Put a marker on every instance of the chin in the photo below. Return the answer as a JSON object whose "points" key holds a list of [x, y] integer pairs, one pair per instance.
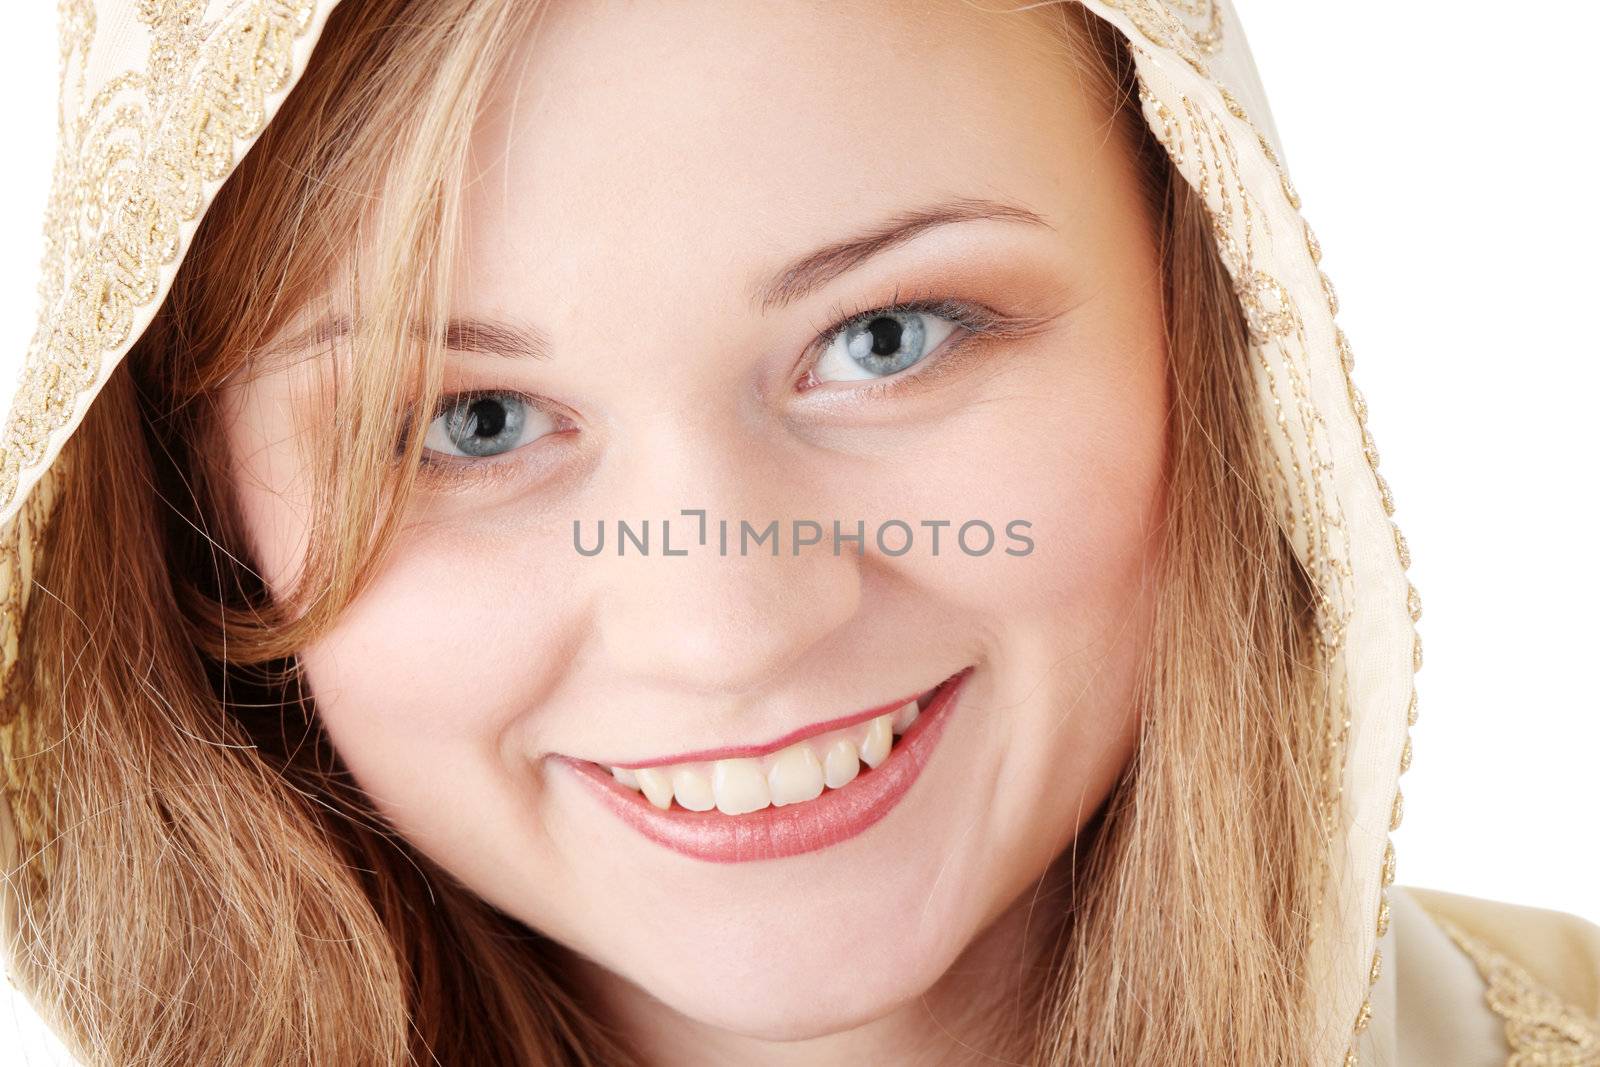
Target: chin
{"points": [[788, 992], [827, 956]]}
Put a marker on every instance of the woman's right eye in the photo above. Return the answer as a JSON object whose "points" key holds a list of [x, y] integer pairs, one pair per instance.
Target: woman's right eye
{"points": [[484, 424]]}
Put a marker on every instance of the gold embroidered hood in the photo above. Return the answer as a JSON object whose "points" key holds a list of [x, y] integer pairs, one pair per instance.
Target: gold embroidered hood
{"points": [[161, 98]]}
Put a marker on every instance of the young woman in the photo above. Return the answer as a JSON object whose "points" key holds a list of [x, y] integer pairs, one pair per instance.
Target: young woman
{"points": [[710, 533]]}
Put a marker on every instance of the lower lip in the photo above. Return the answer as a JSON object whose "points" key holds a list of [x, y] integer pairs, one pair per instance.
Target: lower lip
{"points": [[775, 832]]}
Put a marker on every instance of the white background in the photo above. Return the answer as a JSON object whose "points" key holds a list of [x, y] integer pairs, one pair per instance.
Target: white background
{"points": [[1445, 155]]}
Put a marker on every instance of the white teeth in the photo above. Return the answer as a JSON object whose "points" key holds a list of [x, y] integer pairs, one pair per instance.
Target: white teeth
{"points": [[875, 746], [693, 789], [842, 764], [792, 775], [740, 786], [905, 716], [795, 775], [656, 786]]}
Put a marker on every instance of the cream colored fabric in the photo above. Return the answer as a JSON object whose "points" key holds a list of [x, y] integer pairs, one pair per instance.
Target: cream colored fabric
{"points": [[1479, 983], [1440, 1012], [1542, 971], [1428, 1005], [1561, 951], [1378, 1044], [158, 101]]}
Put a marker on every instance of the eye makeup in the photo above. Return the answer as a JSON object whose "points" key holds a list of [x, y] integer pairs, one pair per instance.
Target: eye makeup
{"points": [[979, 326], [978, 322]]}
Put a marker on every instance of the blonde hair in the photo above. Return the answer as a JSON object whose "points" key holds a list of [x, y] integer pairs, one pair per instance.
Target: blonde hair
{"points": [[217, 891]]}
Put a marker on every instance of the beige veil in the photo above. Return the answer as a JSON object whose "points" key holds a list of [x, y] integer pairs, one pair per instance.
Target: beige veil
{"points": [[161, 98]]}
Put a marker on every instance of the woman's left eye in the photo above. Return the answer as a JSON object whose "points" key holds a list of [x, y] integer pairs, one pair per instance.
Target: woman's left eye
{"points": [[478, 425], [882, 343]]}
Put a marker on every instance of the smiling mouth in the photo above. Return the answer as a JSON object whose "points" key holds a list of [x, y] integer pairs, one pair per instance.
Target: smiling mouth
{"points": [[821, 787]]}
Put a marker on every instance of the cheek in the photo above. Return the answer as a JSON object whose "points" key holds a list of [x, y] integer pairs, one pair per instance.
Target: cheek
{"points": [[422, 680], [273, 503], [1074, 442], [1070, 448]]}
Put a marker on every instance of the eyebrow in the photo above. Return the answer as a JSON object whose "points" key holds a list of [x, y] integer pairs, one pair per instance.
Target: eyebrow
{"points": [[792, 282], [460, 335], [816, 269]]}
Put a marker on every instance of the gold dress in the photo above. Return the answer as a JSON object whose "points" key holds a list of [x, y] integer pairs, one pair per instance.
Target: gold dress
{"points": [[161, 98]]}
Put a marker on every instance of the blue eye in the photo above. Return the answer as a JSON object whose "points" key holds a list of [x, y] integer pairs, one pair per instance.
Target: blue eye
{"points": [[881, 343], [476, 425]]}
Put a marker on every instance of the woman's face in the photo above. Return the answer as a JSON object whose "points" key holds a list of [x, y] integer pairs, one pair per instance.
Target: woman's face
{"points": [[645, 184]]}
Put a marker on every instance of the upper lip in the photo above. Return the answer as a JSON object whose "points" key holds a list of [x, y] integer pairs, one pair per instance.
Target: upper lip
{"points": [[761, 749]]}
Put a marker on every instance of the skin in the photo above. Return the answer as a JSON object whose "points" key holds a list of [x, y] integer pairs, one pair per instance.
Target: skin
{"points": [[643, 168]]}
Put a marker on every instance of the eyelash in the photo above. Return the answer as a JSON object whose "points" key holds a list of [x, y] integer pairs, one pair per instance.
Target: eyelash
{"points": [[979, 322], [459, 472]]}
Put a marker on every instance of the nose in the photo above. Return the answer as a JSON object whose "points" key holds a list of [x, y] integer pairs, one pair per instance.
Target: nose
{"points": [[714, 620]]}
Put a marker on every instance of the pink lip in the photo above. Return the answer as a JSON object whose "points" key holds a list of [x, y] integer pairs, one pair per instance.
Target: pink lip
{"points": [[735, 751], [774, 832]]}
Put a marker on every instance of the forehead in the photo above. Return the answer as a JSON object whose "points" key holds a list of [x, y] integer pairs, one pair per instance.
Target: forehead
{"points": [[654, 145]]}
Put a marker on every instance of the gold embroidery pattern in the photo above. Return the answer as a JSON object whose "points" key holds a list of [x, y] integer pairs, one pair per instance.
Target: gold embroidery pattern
{"points": [[131, 169], [1160, 22], [1200, 144], [1209, 39], [1541, 1029]]}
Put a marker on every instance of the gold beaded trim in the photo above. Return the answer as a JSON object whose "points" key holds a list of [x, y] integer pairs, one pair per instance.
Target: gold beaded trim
{"points": [[131, 169], [1159, 22], [1413, 598], [1273, 318], [1541, 1029]]}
